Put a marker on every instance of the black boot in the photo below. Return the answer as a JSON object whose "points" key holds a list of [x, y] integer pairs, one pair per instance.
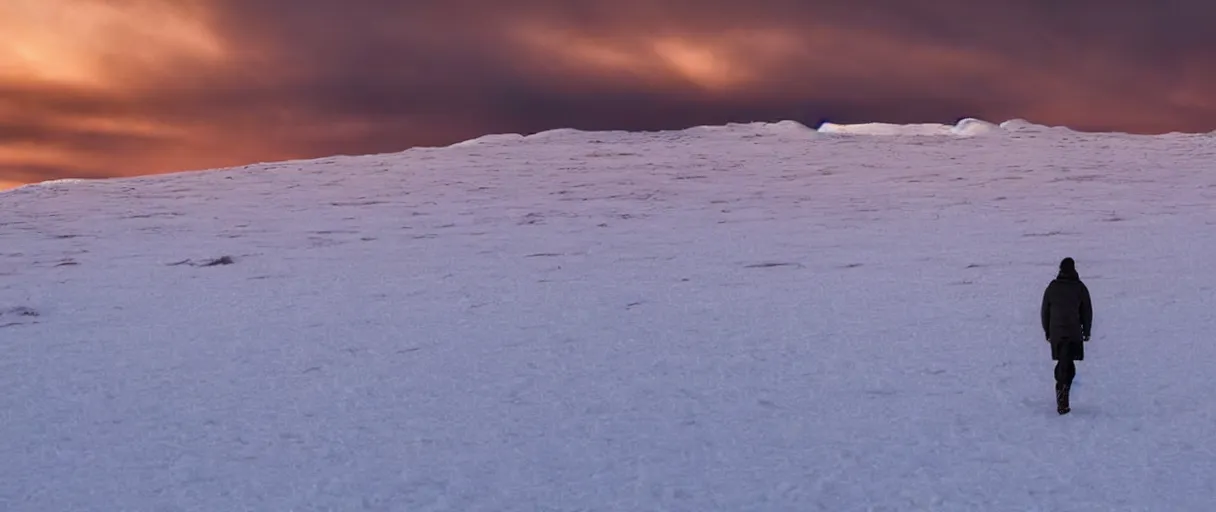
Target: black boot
{"points": [[1062, 398]]}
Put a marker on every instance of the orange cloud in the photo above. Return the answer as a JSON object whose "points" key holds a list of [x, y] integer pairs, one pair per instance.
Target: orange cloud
{"points": [[71, 71], [721, 62], [101, 44]]}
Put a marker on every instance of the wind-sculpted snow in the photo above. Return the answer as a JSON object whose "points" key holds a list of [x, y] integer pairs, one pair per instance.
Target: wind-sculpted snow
{"points": [[967, 127], [744, 317]]}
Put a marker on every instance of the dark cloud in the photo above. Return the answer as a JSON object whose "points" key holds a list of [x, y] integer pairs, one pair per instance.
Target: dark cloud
{"points": [[309, 78]]}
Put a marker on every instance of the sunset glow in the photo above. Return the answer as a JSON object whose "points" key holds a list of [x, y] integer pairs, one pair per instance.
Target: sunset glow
{"points": [[718, 62], [97, 43], [92, 88]]}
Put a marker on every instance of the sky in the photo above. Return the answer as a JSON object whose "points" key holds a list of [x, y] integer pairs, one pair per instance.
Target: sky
{"points": [[101, 88]]}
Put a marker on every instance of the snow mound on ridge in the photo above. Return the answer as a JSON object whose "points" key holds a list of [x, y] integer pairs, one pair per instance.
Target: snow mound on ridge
{"points": [[45, 185], [968, 127], [786, 127], [490, 140], [576, 136], [1027, 127], [971, 127]]}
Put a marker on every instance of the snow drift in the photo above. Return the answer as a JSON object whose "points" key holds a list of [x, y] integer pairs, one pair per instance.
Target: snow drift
{"points": [[747, 317], [967, 127]]}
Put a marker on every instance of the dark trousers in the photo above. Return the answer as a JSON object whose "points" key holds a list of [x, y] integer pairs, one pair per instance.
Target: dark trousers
{"points": [[1066, 352], [1066, 370]]}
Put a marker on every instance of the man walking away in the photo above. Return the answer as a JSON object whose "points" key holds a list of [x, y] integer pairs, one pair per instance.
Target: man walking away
{"points": [[1067, 318]]}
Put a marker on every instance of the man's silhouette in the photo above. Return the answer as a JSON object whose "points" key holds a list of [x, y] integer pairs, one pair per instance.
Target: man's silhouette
{"points": [[1067, 318]]}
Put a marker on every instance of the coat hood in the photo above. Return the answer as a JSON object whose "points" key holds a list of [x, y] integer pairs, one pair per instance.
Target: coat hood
{"points": [[1068, 270]]}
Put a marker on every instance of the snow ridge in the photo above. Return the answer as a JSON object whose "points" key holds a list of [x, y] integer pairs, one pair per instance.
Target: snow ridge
{"points": [[964, 128]]}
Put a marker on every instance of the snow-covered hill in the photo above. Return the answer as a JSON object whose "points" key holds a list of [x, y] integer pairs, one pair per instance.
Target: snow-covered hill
{"points": [[745, 317]]}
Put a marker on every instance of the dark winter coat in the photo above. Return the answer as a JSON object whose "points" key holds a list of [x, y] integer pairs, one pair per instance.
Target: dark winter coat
{"points": [[1067, 315]]}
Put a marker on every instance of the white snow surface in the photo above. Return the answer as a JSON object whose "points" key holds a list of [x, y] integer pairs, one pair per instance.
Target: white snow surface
{"points": [[744, 317], [968, 127]]}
